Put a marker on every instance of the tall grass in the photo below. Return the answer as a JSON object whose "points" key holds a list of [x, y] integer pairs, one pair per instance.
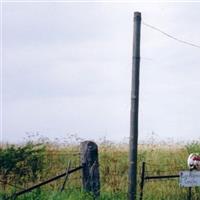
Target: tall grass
{"points": [[160, 160]]}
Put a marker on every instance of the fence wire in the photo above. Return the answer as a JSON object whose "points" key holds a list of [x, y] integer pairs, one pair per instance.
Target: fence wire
{"points": [[53, 163]]}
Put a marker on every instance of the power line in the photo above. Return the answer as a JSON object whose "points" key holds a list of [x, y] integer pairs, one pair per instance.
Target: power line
{"points": [[170, 36]]}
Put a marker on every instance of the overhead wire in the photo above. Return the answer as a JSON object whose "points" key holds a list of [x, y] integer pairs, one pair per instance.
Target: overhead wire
{"points": [[170, 36]]}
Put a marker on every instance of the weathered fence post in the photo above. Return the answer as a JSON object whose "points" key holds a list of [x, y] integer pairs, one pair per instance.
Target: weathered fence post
{"points": [[90, 171]]}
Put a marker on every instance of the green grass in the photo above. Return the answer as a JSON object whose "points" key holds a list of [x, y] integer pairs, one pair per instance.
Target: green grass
{"points": [[160, 160], [69, 194]]}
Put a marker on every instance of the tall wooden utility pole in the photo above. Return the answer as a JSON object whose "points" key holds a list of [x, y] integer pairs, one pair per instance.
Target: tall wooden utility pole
{"points": [[133, 142]]}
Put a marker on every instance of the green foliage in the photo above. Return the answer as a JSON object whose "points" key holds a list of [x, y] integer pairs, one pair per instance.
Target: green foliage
{"points": [[71, 194], [193, 147], [35, 163], [21, 163]]}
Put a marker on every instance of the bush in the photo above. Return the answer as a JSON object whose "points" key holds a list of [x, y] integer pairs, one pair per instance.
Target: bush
{"points": [[21, 164], [193, 147]]}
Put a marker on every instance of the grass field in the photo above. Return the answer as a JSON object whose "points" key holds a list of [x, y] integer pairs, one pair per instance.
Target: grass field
{"points": [[50, 159]]}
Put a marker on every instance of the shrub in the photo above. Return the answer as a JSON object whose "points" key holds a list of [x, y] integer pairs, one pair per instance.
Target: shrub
{"points": [[21, 164], [193, 147]]}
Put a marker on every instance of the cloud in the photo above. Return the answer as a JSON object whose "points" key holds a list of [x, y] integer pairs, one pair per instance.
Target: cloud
{"points": [[67, 68]]}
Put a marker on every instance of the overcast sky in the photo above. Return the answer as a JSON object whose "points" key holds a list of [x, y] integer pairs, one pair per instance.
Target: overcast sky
{"points": [[67, 70]]}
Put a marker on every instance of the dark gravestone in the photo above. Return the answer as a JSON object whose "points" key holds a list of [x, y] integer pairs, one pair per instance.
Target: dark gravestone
{"points": [[90, 163]]}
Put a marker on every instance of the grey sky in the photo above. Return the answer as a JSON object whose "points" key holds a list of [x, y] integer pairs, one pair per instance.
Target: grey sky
{"points": [[67, 69]]}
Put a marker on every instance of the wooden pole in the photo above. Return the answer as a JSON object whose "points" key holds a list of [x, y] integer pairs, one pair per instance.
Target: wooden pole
{"points": [[90, 163], [133, 142]]}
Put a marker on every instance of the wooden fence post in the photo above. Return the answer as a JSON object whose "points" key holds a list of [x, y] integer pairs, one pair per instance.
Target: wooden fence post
{"points": [[90, 163]]}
